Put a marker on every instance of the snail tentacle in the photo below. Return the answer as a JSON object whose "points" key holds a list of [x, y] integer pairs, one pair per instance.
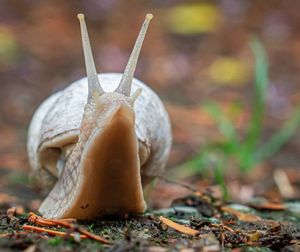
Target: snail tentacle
{"points": [[92, 76], [126, 81]]}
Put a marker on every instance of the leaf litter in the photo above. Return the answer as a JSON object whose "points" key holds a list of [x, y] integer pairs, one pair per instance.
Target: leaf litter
{"points": [[212, 226]]}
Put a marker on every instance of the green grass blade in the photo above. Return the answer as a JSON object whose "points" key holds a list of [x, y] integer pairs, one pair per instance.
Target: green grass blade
{"points": [[260, 91], [253, 136], [224, 125], [281, 137], [220, 171]]}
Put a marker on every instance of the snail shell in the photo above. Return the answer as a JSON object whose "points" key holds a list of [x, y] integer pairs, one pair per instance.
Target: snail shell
{"points": [[99, 141]]}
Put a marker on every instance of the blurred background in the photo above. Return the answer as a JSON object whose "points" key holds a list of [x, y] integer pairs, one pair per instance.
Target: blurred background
{"points": [[228, 72]]}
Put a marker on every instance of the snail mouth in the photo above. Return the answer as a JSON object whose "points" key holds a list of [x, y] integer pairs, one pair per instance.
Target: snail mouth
{"points": [[110, 171]]}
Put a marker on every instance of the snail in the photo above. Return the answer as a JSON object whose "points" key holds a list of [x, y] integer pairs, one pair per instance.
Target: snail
{"points": [[100, 141]]}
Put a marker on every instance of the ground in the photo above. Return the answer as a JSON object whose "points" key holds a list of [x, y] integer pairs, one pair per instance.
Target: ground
{"points": [[215, 225], [195, 52]]}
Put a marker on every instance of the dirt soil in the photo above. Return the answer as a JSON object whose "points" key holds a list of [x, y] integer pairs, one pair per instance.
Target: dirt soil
{"points": [[40, 53], [214, 224]]}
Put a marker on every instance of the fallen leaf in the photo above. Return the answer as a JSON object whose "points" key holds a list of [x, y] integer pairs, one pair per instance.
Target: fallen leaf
{"points": [[269, 206], [11, 212], [229, 71], [254, 236], [178, 227], [156, 249], [241, 216], [31, 248], [192, 19], [6, 198], [8, 46]]}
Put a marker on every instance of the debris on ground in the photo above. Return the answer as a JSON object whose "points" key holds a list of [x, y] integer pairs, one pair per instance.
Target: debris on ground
{"points": [[178, 228]]}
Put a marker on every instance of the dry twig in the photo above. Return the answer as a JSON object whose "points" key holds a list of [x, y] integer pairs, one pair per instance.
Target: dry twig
{"points": [[50, 232], [67, 223], [32, 217]]}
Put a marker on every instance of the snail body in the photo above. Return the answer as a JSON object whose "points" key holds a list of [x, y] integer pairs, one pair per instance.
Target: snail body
{"points": [[99, 142]]}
